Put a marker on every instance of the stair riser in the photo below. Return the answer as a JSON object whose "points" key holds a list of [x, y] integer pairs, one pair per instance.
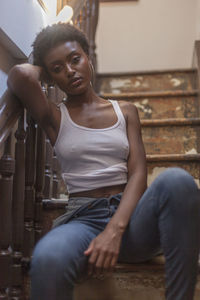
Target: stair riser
{"points": [[171, 139], [167, 107], [155, 168], [138, 285], [147, 82]]}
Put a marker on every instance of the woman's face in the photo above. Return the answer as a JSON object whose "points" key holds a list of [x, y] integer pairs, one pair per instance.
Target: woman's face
{"points": [[68, 66]]}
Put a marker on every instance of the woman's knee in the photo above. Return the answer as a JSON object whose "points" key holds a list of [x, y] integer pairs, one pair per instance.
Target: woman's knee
{"points": [[177, 179], [59, 252], [46, 257]]}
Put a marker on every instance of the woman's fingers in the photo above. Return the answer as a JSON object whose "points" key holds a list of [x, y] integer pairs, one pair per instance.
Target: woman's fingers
{"points": [[92, 262]]}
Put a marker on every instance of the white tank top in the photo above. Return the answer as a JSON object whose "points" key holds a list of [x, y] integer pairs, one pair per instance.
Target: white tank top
{"points": [[92, 158]]}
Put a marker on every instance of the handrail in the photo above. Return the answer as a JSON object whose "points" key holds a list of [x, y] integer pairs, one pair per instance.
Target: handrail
{"points": [[10, 110]]}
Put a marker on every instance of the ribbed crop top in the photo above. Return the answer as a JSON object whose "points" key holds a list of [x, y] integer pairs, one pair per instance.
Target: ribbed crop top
{"points": [[92, 158]]}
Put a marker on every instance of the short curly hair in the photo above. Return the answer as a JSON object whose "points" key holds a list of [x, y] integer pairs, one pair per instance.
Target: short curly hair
{"points": [[52, 36]]}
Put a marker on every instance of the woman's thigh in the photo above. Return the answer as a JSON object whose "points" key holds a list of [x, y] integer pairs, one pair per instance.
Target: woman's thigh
{"points": [[141, 240], [61, 251], [158, 217]]}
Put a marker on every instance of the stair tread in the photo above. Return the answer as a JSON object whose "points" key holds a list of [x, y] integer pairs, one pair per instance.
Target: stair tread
{"points": [[151, 72], [170, 122], [149, 94], [173, 157]]}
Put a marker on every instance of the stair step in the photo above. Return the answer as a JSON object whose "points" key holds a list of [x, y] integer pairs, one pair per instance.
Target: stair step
{"points": [[157, 164], [150, 94], [157, 105], [171, 107], [173, 158], [179, 136], [128, 282], [171, 122], [147, 81]]}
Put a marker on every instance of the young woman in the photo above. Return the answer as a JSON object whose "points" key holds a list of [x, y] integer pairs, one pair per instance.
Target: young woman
{"points": [[112, 216]]}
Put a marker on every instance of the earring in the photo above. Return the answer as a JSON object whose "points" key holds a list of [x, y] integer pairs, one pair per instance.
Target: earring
{"points": [[92, 73]]}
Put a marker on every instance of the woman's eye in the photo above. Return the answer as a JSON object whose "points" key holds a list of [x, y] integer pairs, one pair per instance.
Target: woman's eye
{"points": [[57, 69], [76, 59]]}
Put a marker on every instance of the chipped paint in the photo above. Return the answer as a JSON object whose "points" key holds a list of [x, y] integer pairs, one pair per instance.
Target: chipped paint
{"points": [[115, 91], [175, 82], [136, 84], [152, 176], [140, 77], [197, 182], [191, 151], [145, 101], [119, 83], [146, 110], [178, 108]]}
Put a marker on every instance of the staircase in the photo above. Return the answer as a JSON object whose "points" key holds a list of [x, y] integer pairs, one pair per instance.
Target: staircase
{"points": [[168, 106]]}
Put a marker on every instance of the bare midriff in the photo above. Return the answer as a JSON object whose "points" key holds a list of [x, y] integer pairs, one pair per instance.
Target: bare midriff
{"points": [[101, 192]]}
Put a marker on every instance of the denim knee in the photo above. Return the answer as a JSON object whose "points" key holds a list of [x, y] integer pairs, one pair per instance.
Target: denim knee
{"points": [[46, 258], [60, 254], [176, 179], [178, 189]]}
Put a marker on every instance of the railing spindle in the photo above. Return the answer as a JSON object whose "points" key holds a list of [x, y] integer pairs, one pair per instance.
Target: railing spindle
{"points": [[39, 184], [55, 183], [18, 211], [7, 166], [48, 172], [29, 205]]}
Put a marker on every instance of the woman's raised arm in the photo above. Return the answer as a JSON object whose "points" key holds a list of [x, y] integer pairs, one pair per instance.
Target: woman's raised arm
{"points": [[24, 83]]}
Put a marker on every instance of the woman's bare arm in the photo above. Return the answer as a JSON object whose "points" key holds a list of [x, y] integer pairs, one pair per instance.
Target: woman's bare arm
{"points": [[104, 249], [24, 83]]}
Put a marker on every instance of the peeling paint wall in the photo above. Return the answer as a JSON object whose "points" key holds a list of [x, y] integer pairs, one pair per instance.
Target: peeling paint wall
{"points": [[146, 35]]}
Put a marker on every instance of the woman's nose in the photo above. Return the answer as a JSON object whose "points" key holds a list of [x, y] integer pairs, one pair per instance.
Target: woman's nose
{"points": [[69, 70]]}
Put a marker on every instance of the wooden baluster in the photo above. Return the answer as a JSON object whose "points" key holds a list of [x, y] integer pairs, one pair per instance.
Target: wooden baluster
{"points": [[18, 211], [55, 183], [88, 15], [83, 27], [78, 21], [39, 184], [7, 166], [29, 205], [81, 20], [48, 172]]}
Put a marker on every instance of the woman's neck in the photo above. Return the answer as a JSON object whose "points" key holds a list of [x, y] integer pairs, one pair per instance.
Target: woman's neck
{"points": [[88, 97]]}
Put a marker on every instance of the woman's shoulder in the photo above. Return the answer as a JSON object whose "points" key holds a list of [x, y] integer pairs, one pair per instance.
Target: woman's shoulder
{"points": [[128, 108]]}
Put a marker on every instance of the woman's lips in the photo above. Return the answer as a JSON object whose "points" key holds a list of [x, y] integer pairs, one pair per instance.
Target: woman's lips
{"points": [[76, 82]]}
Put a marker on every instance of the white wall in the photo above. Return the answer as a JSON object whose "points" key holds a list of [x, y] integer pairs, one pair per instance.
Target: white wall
{"points": [[198, 20], [20, 21], [146, 35]]}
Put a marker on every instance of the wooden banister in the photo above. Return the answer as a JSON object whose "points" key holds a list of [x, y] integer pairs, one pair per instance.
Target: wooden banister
{"points": [[10, 110]]}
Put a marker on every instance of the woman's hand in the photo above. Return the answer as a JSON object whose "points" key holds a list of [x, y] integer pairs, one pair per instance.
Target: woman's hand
{"points": [[103, 252]]}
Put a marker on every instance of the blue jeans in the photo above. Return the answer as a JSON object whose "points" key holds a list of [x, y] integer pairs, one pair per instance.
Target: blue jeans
{"points": [[166, 218]]}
